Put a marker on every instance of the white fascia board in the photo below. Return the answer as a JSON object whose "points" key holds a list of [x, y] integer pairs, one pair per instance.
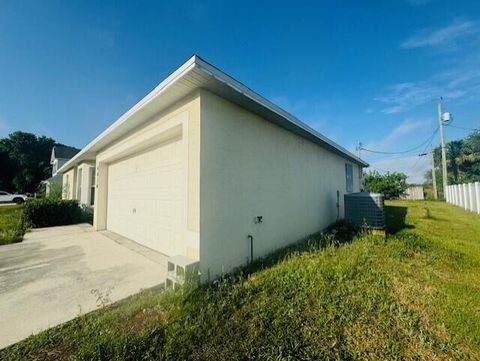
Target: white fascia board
{"points": [[171, 79]]}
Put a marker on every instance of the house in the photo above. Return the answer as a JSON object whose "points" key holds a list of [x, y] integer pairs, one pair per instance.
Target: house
{"points": [[61, 154], [207, 169]]}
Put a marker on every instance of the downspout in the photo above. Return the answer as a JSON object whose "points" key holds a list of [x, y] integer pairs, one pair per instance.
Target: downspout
{"points": [[251, 247]]}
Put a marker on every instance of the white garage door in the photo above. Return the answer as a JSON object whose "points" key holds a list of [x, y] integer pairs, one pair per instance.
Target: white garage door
{"points": [[146, 197]]}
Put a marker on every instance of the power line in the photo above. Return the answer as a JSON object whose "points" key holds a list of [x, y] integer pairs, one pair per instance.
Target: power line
{"points": [[394, 156], [464, 128], [414, 167], [405, 151]]}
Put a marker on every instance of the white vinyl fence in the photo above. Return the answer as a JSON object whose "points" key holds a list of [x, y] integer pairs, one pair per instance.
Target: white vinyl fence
{"points": [[465, 195]]}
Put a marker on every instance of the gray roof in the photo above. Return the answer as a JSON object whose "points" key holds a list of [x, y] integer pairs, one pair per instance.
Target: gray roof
{"points": [[65, 152]]}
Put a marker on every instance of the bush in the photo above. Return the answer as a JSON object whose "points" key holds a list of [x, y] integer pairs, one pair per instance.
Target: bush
{"points": [[56, 191], [49, 212], [13, 235], [11, 225], [391, 185]]}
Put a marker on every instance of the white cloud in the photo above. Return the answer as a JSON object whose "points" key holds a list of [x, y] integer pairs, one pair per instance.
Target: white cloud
{"points": [[405, 128], [410, 164], [454, 84], [460, 80], [401, 130], [404, 96], [445, 37]]}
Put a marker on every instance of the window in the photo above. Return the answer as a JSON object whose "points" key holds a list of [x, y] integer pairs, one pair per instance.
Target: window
{"points": [[79, 183], [349, 177], [92, 185]]}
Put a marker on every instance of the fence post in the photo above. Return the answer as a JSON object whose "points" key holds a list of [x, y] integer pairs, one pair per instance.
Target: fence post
{"points": [[471, 199], [460, 195], [477, 195], [465, 196], [455, 195]]}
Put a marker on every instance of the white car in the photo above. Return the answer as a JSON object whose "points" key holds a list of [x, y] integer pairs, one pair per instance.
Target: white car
{"points": [[6, 197]]}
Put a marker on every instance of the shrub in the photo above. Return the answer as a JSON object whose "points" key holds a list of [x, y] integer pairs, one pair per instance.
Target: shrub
{"points": [[56, 191], [391, 185], [12, 235], [49, 212], [11, 226]]}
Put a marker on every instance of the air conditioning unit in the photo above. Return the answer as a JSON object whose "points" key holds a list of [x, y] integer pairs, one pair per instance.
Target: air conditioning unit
{"points": [[365, 209], [182, 270]]}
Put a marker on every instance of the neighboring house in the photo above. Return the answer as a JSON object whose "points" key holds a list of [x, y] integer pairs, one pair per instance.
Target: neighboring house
{"points": [[203, 164], [61, 154]]}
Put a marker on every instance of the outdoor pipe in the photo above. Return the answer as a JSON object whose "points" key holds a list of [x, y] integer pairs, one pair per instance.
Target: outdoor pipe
{"points": [[251, 247]]}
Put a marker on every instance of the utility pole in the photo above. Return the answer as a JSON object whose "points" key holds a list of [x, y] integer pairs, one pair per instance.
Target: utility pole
{"points": [[442, 143], [359, 149], [434, 178]]}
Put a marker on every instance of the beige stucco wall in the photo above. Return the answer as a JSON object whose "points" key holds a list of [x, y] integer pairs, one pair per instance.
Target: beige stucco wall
{"points": [[69, 183], [86, 183], [251, 167], [181, 120]]}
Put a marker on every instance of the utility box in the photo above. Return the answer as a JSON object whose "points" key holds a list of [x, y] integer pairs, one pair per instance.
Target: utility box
{"points": [[365, 210]]}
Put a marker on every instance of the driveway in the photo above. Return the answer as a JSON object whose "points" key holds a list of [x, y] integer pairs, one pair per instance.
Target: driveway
{"points": [[53, 275]]}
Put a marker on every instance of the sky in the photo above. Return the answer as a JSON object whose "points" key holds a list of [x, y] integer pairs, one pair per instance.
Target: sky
{"points": [[356, 71]]}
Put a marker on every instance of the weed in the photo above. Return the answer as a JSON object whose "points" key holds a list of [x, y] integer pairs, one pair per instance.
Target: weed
{"points": [[102, 297]]}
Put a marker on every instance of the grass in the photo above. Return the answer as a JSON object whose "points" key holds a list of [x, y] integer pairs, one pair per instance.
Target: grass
{"points": [[413, 296], [10, 224]]}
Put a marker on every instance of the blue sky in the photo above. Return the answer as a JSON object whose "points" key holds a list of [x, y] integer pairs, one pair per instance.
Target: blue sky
{"points": [[367, 71]]}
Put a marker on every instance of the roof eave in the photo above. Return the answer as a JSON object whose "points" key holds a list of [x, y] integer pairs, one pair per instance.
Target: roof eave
{"points": [[89, 151], [83, 154]]}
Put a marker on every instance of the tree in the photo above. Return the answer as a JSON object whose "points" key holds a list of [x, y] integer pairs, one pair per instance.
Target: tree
{"points": [[27, 159], [470, 165], [391, 185], [463, 161]]}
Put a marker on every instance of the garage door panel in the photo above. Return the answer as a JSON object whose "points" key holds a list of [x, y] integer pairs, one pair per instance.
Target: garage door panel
{"points": [[146, 196]]}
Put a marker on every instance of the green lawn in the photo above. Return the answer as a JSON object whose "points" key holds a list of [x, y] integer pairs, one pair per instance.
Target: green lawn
{"points": [[9, 224], [413, 296]]}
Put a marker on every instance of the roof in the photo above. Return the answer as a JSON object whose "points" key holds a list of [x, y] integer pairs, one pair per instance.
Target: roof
{"points": [[194, 74], [64, 151]]}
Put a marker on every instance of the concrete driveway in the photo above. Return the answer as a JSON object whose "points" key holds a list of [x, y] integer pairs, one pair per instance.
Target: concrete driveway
{"points": [[49, 277]]}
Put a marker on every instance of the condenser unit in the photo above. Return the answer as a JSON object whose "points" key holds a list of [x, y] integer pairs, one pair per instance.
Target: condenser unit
{"points": [[365, 209]]}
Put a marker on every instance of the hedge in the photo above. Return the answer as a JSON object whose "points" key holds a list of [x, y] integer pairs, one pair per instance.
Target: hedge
{"points": [[49, 212]]}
